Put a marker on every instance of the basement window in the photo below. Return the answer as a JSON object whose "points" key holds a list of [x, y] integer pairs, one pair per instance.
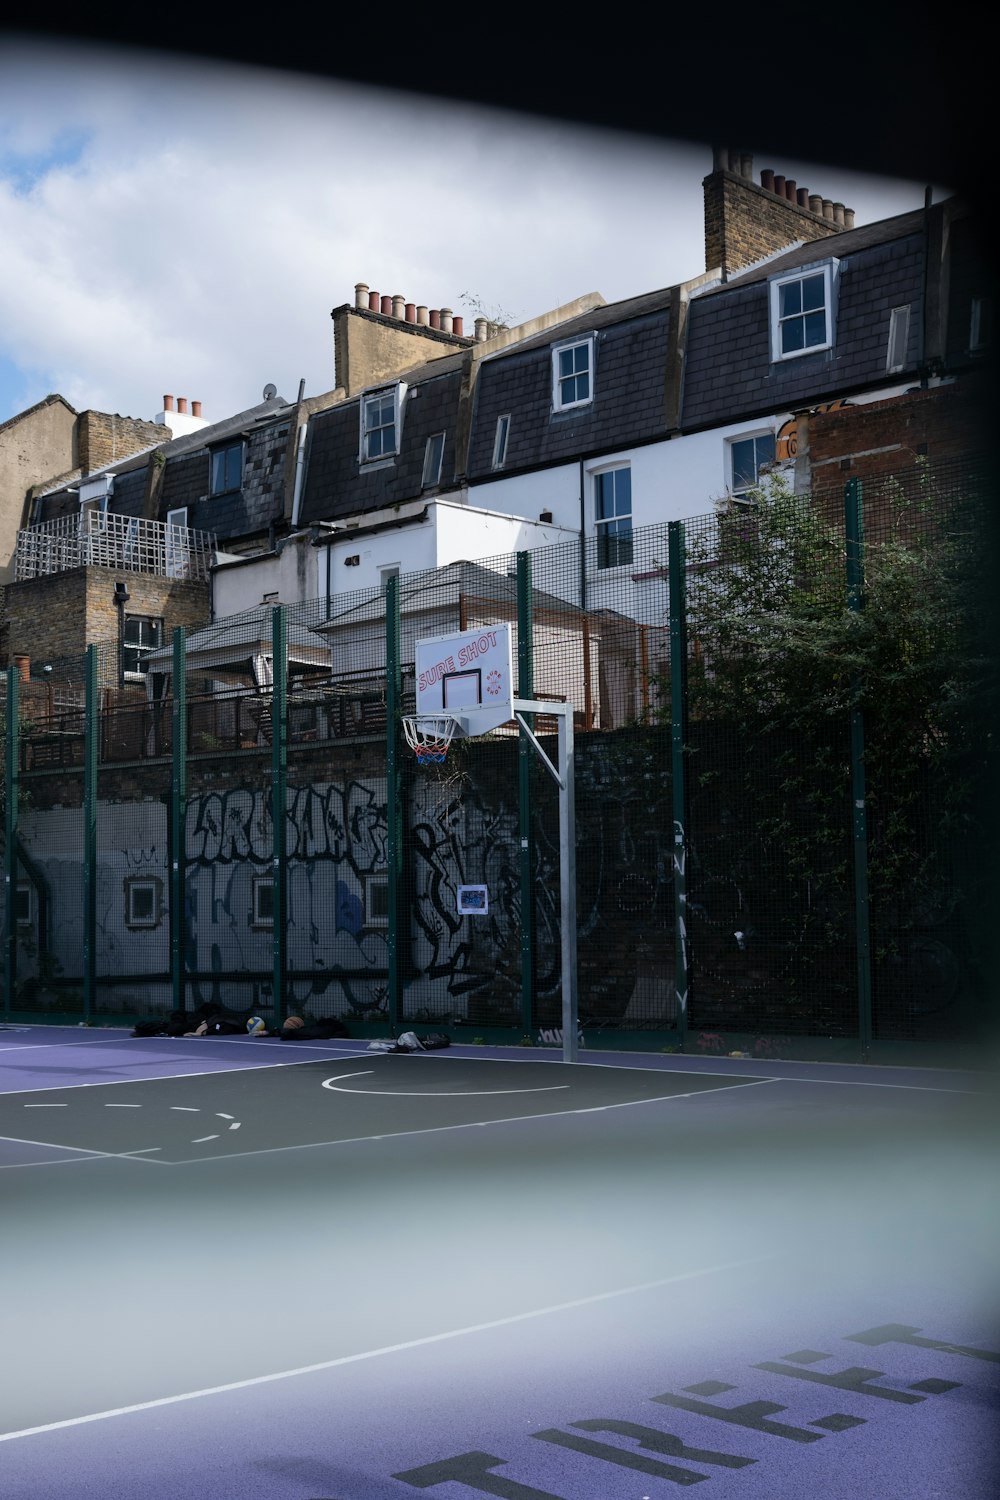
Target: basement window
{"points": [[263, 901], [143, 904]]}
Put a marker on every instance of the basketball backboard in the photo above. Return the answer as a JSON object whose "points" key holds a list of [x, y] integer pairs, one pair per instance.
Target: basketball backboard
{"points": [[469, 675]]}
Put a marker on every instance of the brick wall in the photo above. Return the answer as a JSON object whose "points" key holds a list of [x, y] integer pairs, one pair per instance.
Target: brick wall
{"points": [[744, 222], [942, 424], [104, 437], [370, 347], [54, 619]]}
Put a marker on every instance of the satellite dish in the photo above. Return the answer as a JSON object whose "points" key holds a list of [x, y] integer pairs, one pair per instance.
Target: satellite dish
{"points": [[270, 391]]}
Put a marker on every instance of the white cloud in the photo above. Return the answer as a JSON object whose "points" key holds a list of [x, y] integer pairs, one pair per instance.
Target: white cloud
{"points": [[182, 227]]}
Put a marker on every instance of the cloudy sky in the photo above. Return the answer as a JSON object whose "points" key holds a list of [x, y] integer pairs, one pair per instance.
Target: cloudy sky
{"points": [[169, 226]]}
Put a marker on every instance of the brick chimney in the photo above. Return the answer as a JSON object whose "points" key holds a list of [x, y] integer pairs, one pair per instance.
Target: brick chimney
{"points": [[380, 335], [746, 221]]}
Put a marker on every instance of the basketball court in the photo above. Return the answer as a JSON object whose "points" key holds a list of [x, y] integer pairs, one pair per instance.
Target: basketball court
{"points": [[240, 1267]]}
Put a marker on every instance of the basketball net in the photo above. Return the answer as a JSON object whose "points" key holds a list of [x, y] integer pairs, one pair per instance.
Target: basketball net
{"points": [[429, 737]]}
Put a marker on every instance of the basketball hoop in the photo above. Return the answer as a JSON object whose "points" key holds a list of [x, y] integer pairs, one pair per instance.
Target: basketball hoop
{"points": [[429, 737]]}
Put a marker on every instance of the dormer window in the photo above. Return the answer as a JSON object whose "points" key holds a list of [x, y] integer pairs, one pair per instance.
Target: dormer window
{"points": [[380, 423], [433, 456], [573, 374], [980, 324], [802, 312], [227, 469], [500, 441]]}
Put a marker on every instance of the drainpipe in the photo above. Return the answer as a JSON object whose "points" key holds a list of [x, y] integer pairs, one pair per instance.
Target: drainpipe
{"points": [[300, 454], [122, 597], [583, 538]]}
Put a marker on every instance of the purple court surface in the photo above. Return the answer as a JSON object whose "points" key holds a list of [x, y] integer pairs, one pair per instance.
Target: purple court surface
{"points": [[239, 1267]]}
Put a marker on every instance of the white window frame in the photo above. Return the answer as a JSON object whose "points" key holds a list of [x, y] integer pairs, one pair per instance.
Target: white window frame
{"points": [[500, 441], [433, 461], [828, 270], [387, 571], [136, 674], [375, 883], [899, 337], [384, 393], [739, 493], [154, 887], [558, 404], [602, 532], [262, 883], [175, 546]]}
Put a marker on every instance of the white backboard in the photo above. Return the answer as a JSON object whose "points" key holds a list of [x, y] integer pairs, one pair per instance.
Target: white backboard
{"points": [[469, 675]]}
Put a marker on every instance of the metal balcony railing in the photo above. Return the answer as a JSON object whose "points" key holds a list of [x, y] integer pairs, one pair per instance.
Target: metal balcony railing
{"points": [[104, 540]]}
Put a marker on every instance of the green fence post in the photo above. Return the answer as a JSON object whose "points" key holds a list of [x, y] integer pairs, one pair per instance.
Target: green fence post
{"points": [[178, 822], [279, 815], [12, 769], [525, 798], [394, 802], [91, 746], [855, 551], [678, 768]]}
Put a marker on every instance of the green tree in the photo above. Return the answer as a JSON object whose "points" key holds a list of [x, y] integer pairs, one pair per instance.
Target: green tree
{"points": [[778, 661]]}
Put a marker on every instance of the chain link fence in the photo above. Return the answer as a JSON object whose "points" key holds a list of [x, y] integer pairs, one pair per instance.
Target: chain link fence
{"points": [[796, 917]]}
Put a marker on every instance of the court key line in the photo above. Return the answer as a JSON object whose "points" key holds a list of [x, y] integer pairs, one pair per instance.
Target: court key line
{"points": [[351, 1359], [393, 1135], [331, 1084]]}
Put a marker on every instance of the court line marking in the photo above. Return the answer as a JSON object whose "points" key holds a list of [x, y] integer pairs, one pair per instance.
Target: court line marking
{"points": [[107, 1083], [558, 1114], [549, 1055], [81, 1151], [330, 1083], [351, 1359], [474, 1055], [96, 1041], [355, 1140]]}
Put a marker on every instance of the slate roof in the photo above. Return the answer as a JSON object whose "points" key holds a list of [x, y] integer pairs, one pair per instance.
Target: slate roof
{"points": [[729, 374], [631, 351], [338, 485], [186, 480]]}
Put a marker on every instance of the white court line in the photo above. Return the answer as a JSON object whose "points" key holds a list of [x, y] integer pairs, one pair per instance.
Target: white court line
{"points": [[352, 1359], [394, 1135], [330, 1083], [96, 1041], [84, 1152], [108, 1083], [473, 1055]]}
